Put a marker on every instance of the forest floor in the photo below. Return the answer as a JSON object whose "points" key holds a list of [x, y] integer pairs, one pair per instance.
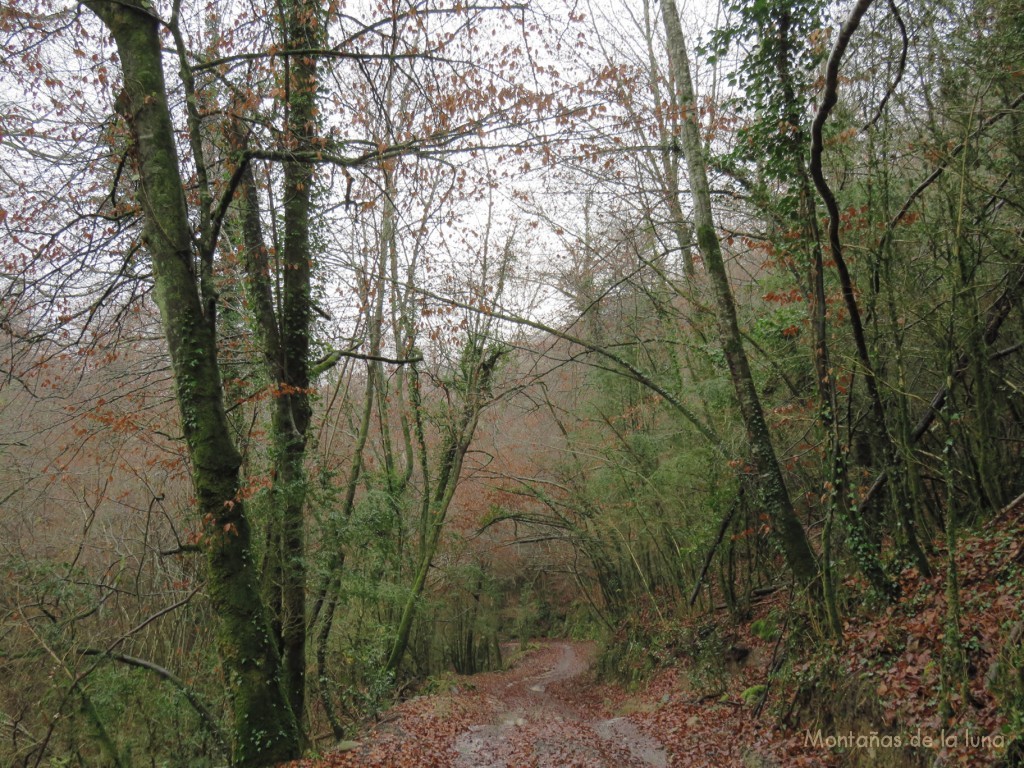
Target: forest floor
{"points": [[549, 710], [546, 711]]}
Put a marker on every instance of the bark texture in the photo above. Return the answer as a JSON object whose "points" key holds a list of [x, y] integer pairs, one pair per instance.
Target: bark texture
{"points": [[293, 410], [775, 495], [264, 729]]}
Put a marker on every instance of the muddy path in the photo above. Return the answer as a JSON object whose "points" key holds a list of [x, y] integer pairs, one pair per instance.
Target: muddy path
{"points": [[543, 714]]}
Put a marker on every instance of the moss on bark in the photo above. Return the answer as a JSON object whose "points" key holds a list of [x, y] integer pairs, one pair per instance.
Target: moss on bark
{"points": [[264, 729]]}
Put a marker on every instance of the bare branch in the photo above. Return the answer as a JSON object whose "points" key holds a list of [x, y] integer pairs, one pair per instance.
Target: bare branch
{"points": [[900, 68], [207, 718]]}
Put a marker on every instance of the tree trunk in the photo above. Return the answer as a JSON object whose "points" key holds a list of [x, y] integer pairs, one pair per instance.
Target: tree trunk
{"points": [[669, 152], [284, 330], [479, 366], [798, 553], [265, 729], [293, 411]]}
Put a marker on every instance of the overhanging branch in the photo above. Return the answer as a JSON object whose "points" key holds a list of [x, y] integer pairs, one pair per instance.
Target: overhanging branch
{"points": [[207, 718]]}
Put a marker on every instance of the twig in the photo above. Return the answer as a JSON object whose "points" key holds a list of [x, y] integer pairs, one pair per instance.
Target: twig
{"points": [[774, 666], [204, 714], [714, 547], [997, 313], [900, 68], [941, 167]]}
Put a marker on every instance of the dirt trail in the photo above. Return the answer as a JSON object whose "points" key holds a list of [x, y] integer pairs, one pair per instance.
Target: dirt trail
{"points": [[544, 712], [542, 716]]}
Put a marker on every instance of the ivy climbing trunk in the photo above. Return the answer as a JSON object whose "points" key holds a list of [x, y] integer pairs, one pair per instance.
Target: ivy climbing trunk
{"points": [[265, 730], [284, 572], [836, 486], [799, 556], [293, 412]]}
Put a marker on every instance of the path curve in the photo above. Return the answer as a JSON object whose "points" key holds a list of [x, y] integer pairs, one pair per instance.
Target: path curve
{"points": [[540, 716]]}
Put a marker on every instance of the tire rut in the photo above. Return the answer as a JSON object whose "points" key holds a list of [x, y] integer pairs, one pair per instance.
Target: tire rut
{"points": [[542, 721]]}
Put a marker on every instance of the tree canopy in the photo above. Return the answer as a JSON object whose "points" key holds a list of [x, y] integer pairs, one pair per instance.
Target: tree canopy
{"points": [[344, 342]]}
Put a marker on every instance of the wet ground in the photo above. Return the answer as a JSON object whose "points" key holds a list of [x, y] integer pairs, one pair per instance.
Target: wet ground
{"points": [[545, 711], [540, 717]]}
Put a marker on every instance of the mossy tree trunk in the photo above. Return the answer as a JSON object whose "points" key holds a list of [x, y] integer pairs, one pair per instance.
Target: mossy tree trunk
{"points": [[293, 412], [282, 335], [265, 730], [283, 325], [669, 156], [799, 556]]}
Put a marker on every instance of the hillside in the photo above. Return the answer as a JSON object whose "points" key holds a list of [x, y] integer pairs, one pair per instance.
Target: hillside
{"points": [[719, 694]]}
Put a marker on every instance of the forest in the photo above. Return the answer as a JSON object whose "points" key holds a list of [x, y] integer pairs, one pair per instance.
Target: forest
{"points": [[354, 353]]}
